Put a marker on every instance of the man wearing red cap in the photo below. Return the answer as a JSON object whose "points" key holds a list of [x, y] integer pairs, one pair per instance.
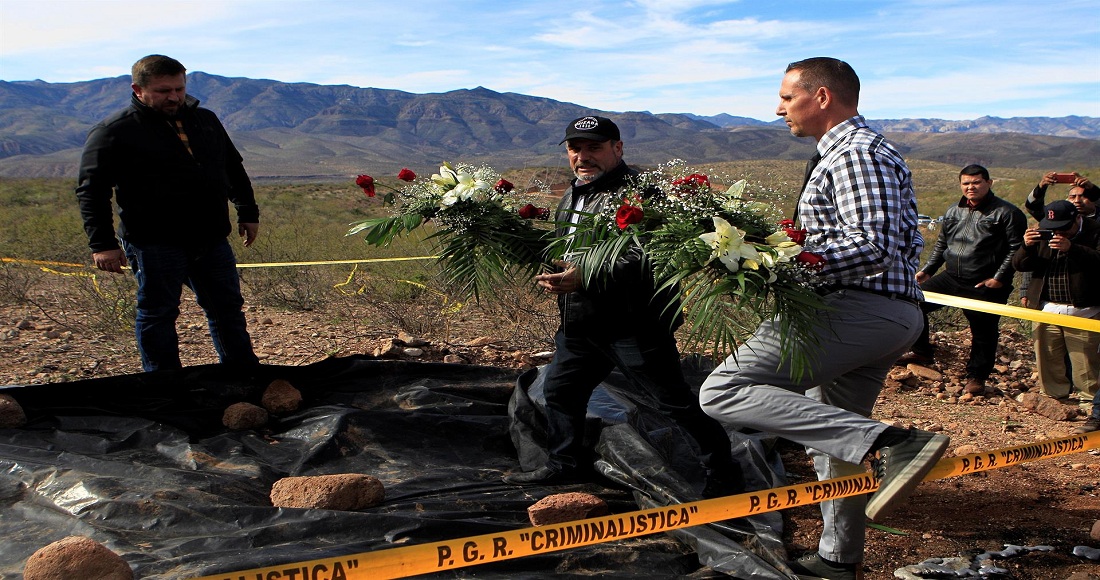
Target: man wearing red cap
{"points": [[1062, 255]]}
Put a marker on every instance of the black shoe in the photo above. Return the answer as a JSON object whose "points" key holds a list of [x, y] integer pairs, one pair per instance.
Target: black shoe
{"points": [[724, 483], [914, 357], [541, 476], [901, 467], [814, 567]]}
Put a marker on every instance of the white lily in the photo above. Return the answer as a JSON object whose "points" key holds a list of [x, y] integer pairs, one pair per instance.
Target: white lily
{"points": [[467, 186], [446, 177], [730, 247]]}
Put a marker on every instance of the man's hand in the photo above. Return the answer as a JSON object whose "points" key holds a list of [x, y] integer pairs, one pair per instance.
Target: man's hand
{"points": [[564, 282], [1059, 242], [110, 260], [248, 232], [1031, 236], [1024, 301], [921, 277], [1048, 179], [990, 283]]}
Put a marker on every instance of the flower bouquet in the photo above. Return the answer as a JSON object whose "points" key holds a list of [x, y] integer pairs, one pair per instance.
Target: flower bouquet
{"points": [[484, 232], [733, 260]]}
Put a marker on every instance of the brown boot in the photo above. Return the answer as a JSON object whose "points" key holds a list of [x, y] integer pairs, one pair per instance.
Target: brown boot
{"points": [[975, 386]]}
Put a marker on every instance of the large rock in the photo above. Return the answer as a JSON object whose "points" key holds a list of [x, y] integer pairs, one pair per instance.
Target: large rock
{"points": [[281, 397], [566, 507], [1047, 407], [244, 416], [344, 491], [76, 557], [11, 413]]}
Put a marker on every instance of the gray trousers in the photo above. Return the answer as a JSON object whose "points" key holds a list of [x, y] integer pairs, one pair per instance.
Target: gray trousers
{"points": [[859, 337]]}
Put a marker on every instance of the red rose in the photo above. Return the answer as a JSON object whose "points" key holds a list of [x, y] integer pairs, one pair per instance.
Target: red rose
{"points": [[531, 211], [627, 215], [811, 260], [692, 182], [406, 174], [367, 183], [504, 186], [796, 236]]}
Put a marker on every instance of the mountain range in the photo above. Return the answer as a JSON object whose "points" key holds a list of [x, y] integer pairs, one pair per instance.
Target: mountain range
{"points": [[310, 131]]}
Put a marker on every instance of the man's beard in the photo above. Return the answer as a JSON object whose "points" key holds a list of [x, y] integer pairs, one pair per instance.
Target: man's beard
{"points": [[588, 178]]}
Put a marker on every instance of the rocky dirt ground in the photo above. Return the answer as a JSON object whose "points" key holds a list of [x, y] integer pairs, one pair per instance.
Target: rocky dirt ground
{"points": [[1052, 502]]}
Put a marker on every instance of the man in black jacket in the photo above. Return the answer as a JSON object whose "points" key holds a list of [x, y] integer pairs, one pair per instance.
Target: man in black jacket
{"points": [[612, 323], [977, 238], [171, 168], [1062, 255]]}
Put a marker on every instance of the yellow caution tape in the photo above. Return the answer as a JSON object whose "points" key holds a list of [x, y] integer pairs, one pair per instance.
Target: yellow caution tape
{"points": [[41, 262], [934, 297], [1014, 311], [246, 265], [328, 262], [474, 550]]}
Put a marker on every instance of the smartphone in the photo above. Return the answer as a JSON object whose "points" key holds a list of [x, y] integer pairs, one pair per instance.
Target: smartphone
{"points": [[1046, 234], [1064, 178]]}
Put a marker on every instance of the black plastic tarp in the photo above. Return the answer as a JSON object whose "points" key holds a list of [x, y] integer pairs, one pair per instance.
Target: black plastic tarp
{"points": [[142, 464]]}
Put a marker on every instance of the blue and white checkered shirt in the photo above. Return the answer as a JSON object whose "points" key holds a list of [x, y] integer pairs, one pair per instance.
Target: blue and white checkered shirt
{"points": [[860, 212]]}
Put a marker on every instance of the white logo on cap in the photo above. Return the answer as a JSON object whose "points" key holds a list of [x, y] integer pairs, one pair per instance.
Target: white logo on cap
{"points": [[586, 124]]}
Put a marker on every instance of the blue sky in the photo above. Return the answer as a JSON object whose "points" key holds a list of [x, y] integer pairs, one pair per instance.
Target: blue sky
{"points": [[943, 59]]}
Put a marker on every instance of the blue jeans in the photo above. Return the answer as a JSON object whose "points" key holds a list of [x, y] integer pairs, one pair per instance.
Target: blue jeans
{"points": [[210, 271]]}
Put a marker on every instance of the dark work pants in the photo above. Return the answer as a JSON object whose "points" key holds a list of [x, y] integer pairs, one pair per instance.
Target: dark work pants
{"points": [[211, 273], [651, 363], [984, 327]]}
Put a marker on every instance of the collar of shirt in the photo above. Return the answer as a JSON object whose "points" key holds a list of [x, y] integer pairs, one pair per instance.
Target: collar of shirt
{"points": [[835, 135]]}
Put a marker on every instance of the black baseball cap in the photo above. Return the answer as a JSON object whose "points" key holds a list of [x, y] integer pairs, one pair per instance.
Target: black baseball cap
{"points": [[1057, 215], [593, 128]]}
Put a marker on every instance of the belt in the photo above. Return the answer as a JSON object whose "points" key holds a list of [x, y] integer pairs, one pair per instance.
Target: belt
{"points": [[884, 293]]}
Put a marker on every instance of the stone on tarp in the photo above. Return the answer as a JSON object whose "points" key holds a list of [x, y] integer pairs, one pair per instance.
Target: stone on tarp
{"points": [[76, 557], [11, 413], [342, 491], [281, 397], [242, 416], [566, 507]]}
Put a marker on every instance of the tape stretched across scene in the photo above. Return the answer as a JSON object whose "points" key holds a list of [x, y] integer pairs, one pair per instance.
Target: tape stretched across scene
{"points": [[476, 550], [1077, 322]]}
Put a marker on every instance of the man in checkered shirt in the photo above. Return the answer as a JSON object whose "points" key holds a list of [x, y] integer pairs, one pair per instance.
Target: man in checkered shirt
{"points": [[860, 215]]}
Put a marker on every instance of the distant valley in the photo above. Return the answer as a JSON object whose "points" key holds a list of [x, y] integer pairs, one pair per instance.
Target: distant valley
{"points": [[308, 131]]}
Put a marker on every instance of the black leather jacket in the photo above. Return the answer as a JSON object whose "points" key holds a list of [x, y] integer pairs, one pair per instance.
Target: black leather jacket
{"points": [[978, 244], [626, 303], [165, 195]]}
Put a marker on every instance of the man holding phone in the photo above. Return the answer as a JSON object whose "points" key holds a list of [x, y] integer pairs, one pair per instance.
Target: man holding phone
{"points": [[1061, 254], [1082, 193]]}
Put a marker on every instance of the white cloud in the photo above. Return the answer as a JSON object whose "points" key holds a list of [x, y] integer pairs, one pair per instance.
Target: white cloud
{"points": [[952, 58]]}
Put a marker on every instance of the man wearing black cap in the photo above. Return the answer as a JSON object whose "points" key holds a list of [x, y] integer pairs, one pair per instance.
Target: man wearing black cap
{"points": [[1062, 255], [617, 323], [1082, 193]]}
